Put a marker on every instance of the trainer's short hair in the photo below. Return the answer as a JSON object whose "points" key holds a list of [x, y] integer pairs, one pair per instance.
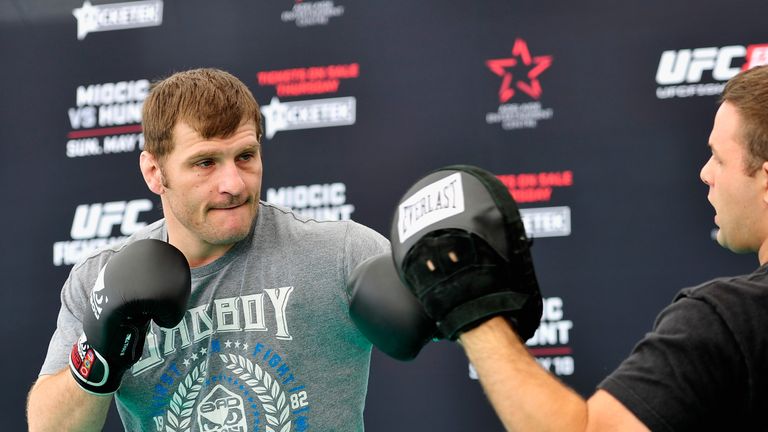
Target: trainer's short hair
{"points": [[748, 93]]}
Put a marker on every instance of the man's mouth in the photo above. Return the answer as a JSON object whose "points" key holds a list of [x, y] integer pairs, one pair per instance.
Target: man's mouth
{"points": [[229, 206]]}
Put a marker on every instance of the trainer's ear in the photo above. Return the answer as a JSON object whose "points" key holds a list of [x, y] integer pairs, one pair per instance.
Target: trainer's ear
{"points": [[152, 173]]}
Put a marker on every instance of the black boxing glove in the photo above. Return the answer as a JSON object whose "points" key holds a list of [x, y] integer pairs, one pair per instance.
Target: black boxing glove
{"points": [[146, 280], [459, 244], [385, 311]]}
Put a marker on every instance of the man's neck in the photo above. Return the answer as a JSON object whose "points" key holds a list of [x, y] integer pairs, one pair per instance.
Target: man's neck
{"points": [[201, 258], [197, 251]]}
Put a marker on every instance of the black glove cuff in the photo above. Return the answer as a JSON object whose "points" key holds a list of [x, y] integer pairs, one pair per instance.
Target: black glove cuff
{"points": [[91, 371], [473, 313]]}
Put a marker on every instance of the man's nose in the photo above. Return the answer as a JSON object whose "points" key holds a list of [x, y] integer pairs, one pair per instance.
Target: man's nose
{"points": [[231, 180], [704, 174]]}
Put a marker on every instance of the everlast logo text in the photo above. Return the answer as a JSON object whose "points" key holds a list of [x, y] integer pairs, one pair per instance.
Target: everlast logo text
{"points": [[433, 203]]}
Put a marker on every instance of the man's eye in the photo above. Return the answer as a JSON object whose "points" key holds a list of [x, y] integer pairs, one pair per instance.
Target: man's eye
{"points": [[204, 163], [246, 156]]}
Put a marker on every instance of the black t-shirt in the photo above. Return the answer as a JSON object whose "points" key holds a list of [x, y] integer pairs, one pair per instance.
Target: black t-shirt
{"points": [[705, 364]]}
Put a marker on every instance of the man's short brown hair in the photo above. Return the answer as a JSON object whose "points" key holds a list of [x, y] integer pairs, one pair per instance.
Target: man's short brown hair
{"points": [[214, 103], [748, 93]]}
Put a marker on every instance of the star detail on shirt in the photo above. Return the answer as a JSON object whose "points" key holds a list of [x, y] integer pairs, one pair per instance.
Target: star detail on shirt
{"points": [[245, 347], [228, 344], [523, 64], [203, 351]]}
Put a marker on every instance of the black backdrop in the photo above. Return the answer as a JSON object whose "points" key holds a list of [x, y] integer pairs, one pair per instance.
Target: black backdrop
{"points": [[571, 103]]}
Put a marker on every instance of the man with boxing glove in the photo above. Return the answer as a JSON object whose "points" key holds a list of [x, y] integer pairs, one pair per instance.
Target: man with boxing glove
{"points": [[138, 282], [703, 365], [145, 280], [264, 340]]}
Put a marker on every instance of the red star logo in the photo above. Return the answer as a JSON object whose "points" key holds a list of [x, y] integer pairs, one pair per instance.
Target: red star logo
{"points": [[530, 84]]}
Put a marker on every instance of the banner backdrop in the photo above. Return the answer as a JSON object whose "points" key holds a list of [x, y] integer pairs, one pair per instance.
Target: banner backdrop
{"points": [[595, 114]]}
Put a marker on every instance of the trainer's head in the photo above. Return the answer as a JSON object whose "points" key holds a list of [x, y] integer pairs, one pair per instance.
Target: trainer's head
{"points": [[202, 155], [737, 172]]}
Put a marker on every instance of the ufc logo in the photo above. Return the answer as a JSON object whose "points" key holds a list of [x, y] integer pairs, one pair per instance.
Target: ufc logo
{"points": [[99, 219], [686, 65]]}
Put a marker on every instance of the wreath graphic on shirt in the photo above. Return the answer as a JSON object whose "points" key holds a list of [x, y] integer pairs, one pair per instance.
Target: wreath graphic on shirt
{"points": [[267, 389]]}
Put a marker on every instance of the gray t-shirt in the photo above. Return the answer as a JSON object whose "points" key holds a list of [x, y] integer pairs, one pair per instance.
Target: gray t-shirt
{"points": [[266, 344]]}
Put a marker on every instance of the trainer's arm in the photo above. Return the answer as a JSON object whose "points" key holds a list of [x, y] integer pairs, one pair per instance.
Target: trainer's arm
{"points": [[57, 403], [526, 397]]}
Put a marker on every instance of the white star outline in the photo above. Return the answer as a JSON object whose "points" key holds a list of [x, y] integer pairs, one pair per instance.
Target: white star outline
{"points": [[86, 19], [275, 117]]}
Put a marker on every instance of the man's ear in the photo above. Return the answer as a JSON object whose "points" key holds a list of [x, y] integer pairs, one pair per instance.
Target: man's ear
{"points": [[763, 173], [153, 175]]}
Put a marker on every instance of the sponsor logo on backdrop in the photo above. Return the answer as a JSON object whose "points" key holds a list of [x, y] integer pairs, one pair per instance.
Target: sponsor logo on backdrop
{"points": [[312, 13], [94, 226], [106, 119], [538, 187], [551, 342], [117, 16], [322, 202], [520, 88], [547, 221], [704, 71], [312, 113], [308, 114]]}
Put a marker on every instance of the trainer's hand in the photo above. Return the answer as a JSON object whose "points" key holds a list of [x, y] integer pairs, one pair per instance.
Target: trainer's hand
{"points": [[146, 280], [460, 245]]}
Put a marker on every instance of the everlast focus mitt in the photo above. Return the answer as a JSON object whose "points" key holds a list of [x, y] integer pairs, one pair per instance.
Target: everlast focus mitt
{"points": [[459, 244]]}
